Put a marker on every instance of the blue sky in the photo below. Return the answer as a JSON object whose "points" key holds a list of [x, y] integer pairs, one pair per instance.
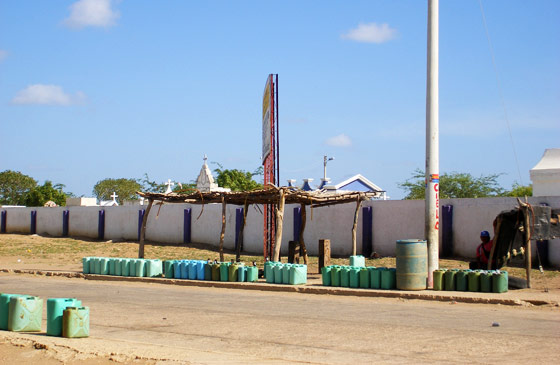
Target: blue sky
{"points": [[109, 89]]}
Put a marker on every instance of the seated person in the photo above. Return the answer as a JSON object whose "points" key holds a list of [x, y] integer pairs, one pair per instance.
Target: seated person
{"points": [[483, 253]]}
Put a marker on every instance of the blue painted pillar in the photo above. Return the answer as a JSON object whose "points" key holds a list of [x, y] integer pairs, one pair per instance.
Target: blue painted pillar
{"points": [[33, 225], [297, 223], [367, 231], [101, 225], [3, 221], [447, 230], [141, 213], [187, 215], [238, 224], [65, 222]]}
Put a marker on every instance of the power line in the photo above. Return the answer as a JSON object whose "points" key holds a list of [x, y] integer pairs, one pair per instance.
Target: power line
{"points": [[500, 92]]}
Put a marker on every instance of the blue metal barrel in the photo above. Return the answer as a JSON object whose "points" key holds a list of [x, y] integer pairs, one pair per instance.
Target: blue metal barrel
{"points": [[412, 264]]}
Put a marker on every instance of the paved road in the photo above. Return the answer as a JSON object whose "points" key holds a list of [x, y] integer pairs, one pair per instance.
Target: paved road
{"points": [[211, 325]]}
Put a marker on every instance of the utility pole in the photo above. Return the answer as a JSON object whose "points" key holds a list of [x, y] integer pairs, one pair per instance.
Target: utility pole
{"points": [[325, 160], [432, 141]]}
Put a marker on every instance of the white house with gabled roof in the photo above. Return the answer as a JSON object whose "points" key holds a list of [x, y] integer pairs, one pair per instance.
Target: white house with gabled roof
{"points": [[357, 182]]}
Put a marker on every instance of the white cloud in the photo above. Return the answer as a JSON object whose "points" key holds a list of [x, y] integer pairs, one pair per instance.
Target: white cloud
{"points": [[342, 140], [3, 54], [371, 33], [92, 13], [47, 95]]}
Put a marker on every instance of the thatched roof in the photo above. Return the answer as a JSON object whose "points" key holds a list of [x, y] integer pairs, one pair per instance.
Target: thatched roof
{"points": [[269, 195]]}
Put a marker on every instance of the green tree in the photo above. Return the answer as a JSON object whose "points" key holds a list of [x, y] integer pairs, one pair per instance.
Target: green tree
{"points": [[125, 189], [184, 187], [13, 187], [151, 186], [39, 195], [237, 180], [454, 185], [520, 191]]}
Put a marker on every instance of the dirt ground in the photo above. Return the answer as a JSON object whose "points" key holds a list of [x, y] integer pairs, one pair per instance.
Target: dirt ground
{"points": [[28, 352], [148, 323], [65, 254]]}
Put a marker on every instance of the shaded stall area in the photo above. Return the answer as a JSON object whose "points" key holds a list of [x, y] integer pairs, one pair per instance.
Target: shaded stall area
{"points": [[515, 229], [276, 196]]}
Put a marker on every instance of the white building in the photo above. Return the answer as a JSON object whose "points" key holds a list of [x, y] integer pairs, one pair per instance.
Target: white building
{"points": [[81, 202], [205, 181], [546, 174], [357, 182], [110, 203]]}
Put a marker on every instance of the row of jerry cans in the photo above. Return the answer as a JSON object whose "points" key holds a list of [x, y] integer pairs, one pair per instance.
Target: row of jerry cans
{"points": [[122, 266], [471, 280], [207, 270], [369, 277], [24, 313], [281, 273]]}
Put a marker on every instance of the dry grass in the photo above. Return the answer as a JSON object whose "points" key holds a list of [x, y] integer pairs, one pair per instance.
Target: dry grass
{"points": [[66, 254]]}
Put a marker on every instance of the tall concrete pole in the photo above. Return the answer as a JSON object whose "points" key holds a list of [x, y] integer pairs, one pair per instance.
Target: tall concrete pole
{"points": [[432, 141]]}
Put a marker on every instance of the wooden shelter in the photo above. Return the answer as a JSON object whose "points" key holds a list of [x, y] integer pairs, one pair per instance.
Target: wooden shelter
{"points": [[515, 229], [270, 195]]}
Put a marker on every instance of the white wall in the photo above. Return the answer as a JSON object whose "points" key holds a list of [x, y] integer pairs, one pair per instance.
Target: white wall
{"points": [[18, 220], [81, 222], [207, 227], [396, 220], [545, 182], [334, 223], [254, 230], [392, 220], [49, 221], [167, 226], [121, 223]]}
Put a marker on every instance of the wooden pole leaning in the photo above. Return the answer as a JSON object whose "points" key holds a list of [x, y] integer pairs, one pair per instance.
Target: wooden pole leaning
{"points": [[324, 253], [143, 229], [528, 258], [223, 233], [241, 230], [524, 207], [355, 225], [496, 235], [301, 230], [279, 224]]}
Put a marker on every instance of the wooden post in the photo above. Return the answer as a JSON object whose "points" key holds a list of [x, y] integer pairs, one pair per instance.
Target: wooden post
{"points": [[496, 235], [143, 230], [527, 226], [240, 238], [222, 235], [355, 225], [524, 207], [279, 224], [293, 252], [301, 230], [324, 253]]}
